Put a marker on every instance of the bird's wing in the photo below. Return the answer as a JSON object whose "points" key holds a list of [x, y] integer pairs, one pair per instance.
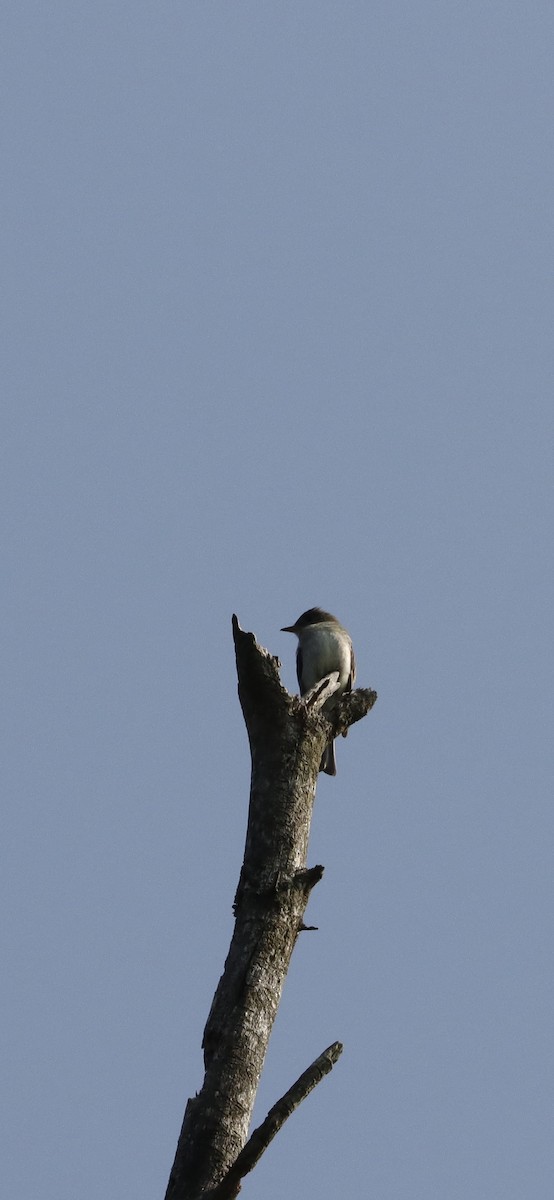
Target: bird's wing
{"points": [[352, 675], [299, 667]]}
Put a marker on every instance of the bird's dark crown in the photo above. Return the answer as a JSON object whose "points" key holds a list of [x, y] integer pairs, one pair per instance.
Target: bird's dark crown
{"points": [[315, 616]]}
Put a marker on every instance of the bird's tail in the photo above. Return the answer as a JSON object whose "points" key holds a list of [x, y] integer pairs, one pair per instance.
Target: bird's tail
{"points": [[328, 762]]}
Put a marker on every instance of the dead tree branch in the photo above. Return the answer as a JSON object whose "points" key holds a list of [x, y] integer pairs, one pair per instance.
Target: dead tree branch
{"points": [[286, 740], [260, 1139]]}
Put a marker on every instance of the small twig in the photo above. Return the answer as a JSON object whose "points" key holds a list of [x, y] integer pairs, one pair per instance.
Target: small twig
{"points": [[261, 1137], [308, 876], [325, 688]]}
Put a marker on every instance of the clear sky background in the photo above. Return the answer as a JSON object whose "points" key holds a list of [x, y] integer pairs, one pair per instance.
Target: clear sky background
{"points": [[278, 302]]}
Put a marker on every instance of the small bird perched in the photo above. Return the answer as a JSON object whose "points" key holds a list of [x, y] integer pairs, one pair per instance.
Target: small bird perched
{"points": [[324, 645]]}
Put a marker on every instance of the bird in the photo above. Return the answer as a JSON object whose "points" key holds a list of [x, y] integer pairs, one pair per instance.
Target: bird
{"points": [[324, 645]]}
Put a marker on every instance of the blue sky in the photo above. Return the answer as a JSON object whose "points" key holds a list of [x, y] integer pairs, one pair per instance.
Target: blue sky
{"points": [[278, 308]]}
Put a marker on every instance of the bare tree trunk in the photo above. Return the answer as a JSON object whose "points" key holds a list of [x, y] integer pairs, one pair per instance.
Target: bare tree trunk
{"points": [[287, 737]]}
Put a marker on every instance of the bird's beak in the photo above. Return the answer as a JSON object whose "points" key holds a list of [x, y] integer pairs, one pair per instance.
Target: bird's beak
{"points": [[288, 629]]}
